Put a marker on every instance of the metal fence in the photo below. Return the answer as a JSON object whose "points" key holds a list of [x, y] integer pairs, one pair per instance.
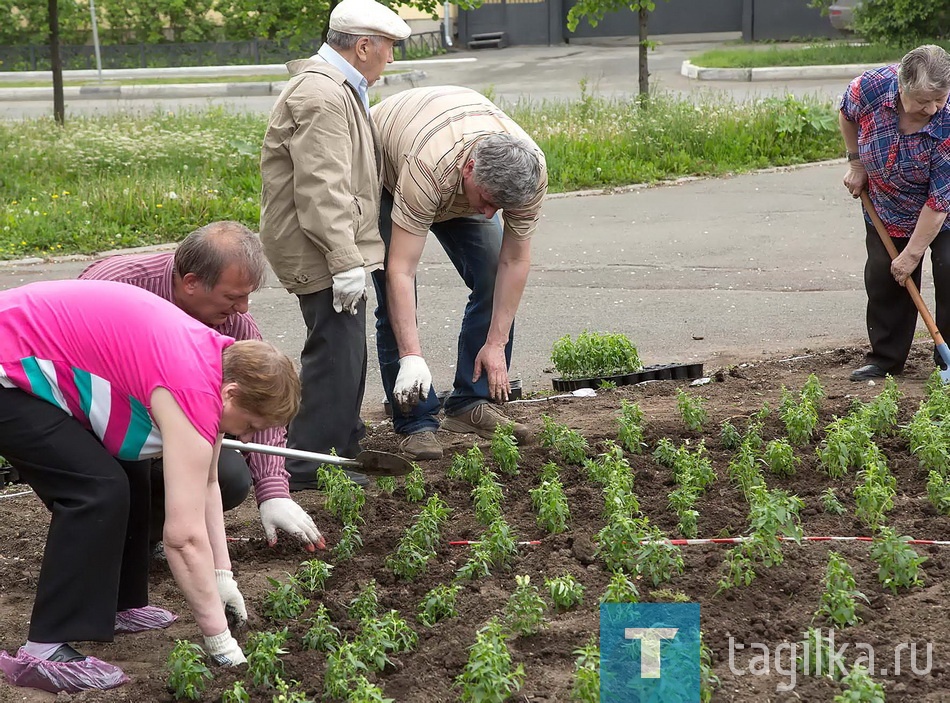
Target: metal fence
{"points": [[226, 53]]}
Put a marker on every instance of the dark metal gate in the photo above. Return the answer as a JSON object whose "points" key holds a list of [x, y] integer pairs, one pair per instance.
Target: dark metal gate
{"points": [[674, 17], [523, 21]]}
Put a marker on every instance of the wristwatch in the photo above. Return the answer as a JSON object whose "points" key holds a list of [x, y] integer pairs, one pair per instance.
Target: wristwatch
{"points": [[854, 156]]}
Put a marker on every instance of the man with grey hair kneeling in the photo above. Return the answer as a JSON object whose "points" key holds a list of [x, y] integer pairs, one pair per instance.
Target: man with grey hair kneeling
{"points": [[451, 161]]}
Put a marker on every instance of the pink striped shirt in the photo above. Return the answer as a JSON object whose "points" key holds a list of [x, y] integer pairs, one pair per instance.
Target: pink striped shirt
{"points": [[155, 273]]}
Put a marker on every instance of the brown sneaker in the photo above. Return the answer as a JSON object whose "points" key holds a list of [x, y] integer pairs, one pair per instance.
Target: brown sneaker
{"points": [[421, 445], [482, 420]]}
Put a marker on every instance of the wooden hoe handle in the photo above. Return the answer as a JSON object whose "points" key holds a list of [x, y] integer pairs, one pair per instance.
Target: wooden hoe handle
{"points": [[909, 283]]}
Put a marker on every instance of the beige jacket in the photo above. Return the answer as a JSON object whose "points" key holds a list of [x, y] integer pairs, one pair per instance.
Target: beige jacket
{"points": [[320, 169]]}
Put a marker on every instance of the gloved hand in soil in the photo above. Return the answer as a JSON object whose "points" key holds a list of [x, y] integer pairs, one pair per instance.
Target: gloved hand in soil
{"points": [[234, 609], [349, 288], [412, 382], [224, 650], [284, 514]]}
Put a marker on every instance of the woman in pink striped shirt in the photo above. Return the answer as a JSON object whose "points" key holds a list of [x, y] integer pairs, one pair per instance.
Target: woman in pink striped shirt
{"points": [[96, 378]]}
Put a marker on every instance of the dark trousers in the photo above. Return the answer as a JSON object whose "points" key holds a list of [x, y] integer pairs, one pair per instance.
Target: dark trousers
{"points": [[891, 313], [332, 379], [473, 244], [96, 556], [234, 480]]}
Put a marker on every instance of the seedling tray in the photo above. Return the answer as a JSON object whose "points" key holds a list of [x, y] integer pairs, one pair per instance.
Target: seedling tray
{"points": [[657, 372]]}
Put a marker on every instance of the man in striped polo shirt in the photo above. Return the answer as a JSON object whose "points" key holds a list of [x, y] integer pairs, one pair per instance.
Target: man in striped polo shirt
{"points": [[210, 276], [451, 161]]}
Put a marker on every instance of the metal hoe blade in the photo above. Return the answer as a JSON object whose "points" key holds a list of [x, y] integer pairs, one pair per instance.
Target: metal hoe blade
{"points": [[368, 462]]}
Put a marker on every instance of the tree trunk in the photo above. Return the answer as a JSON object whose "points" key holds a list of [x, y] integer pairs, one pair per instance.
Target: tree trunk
{"points": [[644, 71], [59, 102]]}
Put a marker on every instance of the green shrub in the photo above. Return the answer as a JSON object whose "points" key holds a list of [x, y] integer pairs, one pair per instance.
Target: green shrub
{"points": [[595, 355]]}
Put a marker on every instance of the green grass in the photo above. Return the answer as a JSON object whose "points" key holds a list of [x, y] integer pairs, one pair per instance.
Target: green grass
{"points": [[815, 55], [125, 180]]}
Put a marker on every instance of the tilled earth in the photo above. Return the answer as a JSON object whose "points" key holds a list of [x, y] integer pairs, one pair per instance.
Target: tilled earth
{"points": [[776, 608]]}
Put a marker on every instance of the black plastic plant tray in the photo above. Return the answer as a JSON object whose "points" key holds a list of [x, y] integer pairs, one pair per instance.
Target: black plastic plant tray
{"points": [[657, 372]]}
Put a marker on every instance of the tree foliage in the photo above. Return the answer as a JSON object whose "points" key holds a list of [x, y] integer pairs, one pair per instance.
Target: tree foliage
{"points": [[902, 22]]}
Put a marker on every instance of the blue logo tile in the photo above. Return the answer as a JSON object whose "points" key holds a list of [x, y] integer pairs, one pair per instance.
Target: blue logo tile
{"points": [[649, 653]]}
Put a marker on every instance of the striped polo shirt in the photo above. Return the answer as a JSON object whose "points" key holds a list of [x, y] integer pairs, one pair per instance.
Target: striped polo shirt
{"points": [[97, 350], [427, 135]]}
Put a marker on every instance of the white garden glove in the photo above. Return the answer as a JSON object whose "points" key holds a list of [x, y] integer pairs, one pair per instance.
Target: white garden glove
{"points": [[349, 288], [224, 649], [234, 609], [412, 382], [286, 515]]}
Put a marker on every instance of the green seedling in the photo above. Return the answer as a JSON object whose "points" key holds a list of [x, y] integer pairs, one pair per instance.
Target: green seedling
{"points": [[666, 453], [619, 498], [378, 638], [478, 564], [818, 657], [667, 595], [387, 484], [927, 442], [284, 601], [187, 674], [236, 694], [551, 504], [488, 676], [586, 688], [875, 496], [285, 694], [739, 570], [838, 602], [504, 448], [595, 355], [487, 497], [729, 436], [617, 541], [830, 503], [565, 591], [524, 612], [657, 560], [898, 563], [630, 427], [366, 692], [620, 589], [345, 499], [880, 415], [812, 391], [322, 635], [468, 467], [438, 604], [938, 491], [415, 485], [366, 603], [860, 687], [568, 443], [606, 385], [708, 681], [410, 559], [312, 575], [550, 471], [348, 544], [264, 650], [780, 457], [500, 541], [692, 410], [343, 667]]}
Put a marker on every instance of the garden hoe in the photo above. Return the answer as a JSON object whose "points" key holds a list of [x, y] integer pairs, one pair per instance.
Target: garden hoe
{"points": [[942, 348], [367, 462]]}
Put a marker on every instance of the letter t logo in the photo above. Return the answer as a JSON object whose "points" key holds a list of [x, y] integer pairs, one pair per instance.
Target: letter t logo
{"points": [[650, 638]]}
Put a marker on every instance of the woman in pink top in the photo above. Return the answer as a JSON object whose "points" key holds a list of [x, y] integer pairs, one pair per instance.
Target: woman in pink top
{"points": [[96, 378]]}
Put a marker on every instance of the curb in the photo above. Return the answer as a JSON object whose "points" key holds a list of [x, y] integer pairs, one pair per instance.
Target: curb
{"points": [[176, 90], [775, 73]]}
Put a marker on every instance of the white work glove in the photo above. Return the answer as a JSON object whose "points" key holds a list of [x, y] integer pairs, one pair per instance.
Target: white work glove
{"points": [[349, 288], [285, 514], [412, 382], [224, 649], [232, 600]]}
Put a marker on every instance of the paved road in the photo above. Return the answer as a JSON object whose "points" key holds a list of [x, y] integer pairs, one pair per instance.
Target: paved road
{"points": [[534, 72], [711, 270]]}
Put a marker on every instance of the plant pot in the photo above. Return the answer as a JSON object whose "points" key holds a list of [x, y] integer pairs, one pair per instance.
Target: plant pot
{"points": [[514, 392], [566, 385]]}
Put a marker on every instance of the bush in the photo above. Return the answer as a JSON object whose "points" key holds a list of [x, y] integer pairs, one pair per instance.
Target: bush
{"points": [[902, 22], [595, 355]]}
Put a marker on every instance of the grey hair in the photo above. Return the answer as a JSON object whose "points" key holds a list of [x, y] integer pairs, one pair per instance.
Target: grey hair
{"points": [[209, 250], [508, 169], [924, 70], [343, 41]]}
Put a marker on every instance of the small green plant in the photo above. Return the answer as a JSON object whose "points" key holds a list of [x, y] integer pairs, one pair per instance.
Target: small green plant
{"points": [[569, 443], [630, 427], [605, 385], [410, 558], [389, 634], [187, 674], [586, 688], [236, 694], [938, 491], [284, 601], [478, 564], [780, 457], [345, 498], [875, 496], [468, 467], [264, 650], [617, 541], [812, 391], [504, 448], [692, 410], [487, 497], [667, 595], [366, 692], [387, 484], [500, 541], [729, 436], [595, 355], [438, 604], [524, 612], [927, 441], [286, 695], [818, 657], [838, 603], [739, 570], [880, 414], [830, 503], [350, 541], [898, 563], [312, 575], [620, 589], [551, 503], [322, 635], [343, 667], [708, 681], [656, 558], [415, 485], [366, 603], [665, 453], [565, 591], [488, 676], [860, 687]]}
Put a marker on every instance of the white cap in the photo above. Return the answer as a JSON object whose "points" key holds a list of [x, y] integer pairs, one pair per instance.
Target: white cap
{"points": [[367, 17]]}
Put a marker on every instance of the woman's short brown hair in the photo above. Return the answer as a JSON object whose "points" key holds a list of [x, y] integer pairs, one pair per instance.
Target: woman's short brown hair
{"points": [[267, 380]]}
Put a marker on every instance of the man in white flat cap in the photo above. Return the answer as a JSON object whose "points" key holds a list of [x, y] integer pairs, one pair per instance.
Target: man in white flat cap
{"points": [[320, 167]]}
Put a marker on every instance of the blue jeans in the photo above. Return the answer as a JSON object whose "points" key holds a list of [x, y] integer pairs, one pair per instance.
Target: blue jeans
{"points": [[473, 244]]}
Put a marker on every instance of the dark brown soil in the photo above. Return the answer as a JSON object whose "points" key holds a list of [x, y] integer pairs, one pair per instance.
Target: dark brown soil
{"points": [[778, 606]]}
